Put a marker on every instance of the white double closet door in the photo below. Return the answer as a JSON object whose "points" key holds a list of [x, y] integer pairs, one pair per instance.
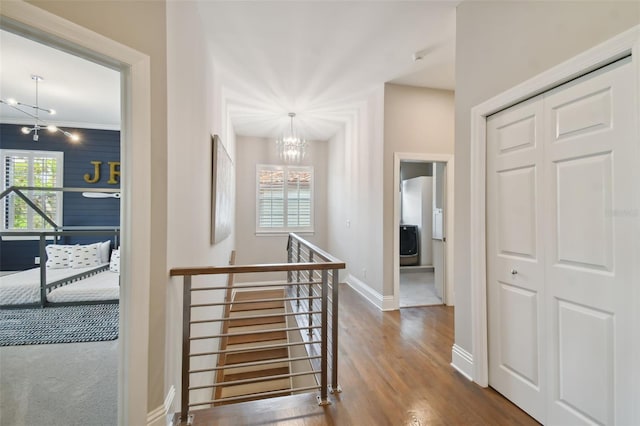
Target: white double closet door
{"points": [[562, 213]]}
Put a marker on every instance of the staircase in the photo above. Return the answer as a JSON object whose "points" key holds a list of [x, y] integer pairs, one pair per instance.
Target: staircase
{"points": [[258, 370]]}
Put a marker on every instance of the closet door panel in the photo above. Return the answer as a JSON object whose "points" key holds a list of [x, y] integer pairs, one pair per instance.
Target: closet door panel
{"points": [[590, 151], [515, 265]]}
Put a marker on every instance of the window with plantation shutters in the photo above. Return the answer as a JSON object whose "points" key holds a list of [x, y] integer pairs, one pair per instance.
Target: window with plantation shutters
{"points": [[284, 199], [22, 168]]}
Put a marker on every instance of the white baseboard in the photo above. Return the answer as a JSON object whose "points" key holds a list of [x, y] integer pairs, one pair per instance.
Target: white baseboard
{"points": [[462, 361], [383, 303], [162, 415]]}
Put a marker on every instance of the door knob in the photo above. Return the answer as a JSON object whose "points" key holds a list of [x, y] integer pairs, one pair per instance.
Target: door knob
{"points": [[514, 272]]}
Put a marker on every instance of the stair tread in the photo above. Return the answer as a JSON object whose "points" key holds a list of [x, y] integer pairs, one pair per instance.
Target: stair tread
{"points": [[241, 314], [257, 327], [258, 337], [244, 296], [275, 363], [255, 398], [238, 307], [263, 372], [253, 388], [249, 345], [259, 355], [239, 322], [258, 294]]}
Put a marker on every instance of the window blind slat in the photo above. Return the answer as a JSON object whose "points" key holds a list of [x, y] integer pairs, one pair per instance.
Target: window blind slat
{"points": [[284, 197]]}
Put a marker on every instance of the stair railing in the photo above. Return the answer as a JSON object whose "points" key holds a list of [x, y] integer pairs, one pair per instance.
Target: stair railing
{"points": [[312, 275]]}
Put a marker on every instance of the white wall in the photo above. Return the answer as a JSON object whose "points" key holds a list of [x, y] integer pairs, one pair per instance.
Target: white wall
{"points": [[416, 120], [264, 248], [355, 192], [195, 112], [499, 45]]}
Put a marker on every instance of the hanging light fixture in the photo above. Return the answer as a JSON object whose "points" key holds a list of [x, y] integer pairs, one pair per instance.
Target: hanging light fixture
{"points": [[39, 123], [291, 148]]}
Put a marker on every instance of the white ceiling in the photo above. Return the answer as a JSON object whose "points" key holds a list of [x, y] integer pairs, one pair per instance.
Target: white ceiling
{"points": [[84, 94], [315, 58]]}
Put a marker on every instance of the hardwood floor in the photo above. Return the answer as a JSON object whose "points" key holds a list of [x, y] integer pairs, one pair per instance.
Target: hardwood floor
{"points": [[394, 370]]}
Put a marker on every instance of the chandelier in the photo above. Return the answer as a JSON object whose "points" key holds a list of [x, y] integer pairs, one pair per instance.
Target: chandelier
{"points": [[291, 148], [39, 124]]}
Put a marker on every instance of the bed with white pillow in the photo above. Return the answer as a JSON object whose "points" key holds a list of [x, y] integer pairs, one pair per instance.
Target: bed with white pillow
{"points": [[75, 274]]}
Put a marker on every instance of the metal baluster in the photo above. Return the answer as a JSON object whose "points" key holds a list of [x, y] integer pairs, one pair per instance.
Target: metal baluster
{"points": [[186, 336], [335, 388], [298, 277], [310, 295], [323, 400]]}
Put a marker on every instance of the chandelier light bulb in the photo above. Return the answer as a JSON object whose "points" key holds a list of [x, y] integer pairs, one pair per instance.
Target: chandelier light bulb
{"points": [[292, 148], [33, 111]]}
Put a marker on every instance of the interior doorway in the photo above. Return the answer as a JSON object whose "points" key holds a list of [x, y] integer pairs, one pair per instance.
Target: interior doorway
{"points": [[422, 222], [75, 364], [422, 239]]}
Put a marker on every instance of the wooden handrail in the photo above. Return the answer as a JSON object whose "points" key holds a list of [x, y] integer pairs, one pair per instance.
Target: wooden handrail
{"points": [[240, 269]]}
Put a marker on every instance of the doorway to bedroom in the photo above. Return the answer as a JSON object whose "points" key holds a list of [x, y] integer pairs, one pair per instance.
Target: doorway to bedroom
{"points": [[59, 247]]}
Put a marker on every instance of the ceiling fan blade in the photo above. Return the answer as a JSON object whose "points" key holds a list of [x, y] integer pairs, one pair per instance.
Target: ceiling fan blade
{"points": [[101, 194]]}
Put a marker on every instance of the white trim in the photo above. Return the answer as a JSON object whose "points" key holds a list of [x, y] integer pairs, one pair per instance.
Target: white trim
{"points": [[449, 290], [261, 231], [136, 204], [162, 416], [462, 361], [71, 124], [384, 303], [615, 48]]}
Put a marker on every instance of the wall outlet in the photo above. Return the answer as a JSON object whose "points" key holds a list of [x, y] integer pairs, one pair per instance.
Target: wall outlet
{"points": [[36, 260], [364, 272], [348, 223]]}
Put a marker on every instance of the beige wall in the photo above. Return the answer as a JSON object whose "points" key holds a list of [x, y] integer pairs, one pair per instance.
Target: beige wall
{"points": [[142, 26], [355, 192], [499, 45], [252, 248], [416, 120]]}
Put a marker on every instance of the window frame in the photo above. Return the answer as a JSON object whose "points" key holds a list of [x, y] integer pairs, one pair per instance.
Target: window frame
{"points": [[31, 155], [285, 229]]}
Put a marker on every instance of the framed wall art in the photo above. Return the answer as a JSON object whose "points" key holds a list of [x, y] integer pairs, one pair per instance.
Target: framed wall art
{"points": [[221, 191]]}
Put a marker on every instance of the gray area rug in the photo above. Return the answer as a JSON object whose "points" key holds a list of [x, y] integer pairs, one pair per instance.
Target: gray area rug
{"points": [[67, 324]]}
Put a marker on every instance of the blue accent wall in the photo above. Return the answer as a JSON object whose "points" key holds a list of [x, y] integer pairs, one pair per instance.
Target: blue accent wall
{"points": [[94, 145]]}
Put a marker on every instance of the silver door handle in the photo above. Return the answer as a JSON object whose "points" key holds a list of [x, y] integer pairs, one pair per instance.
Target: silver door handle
{"points": [[514, 272]]}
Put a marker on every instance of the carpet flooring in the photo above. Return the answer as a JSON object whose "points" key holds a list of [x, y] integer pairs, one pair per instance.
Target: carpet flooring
{"points": [[68, 324], [59, 384]]}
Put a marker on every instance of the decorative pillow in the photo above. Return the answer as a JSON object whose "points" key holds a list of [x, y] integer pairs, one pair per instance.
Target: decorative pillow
{"points": [[103, 251], [58, 256], [114, 264], [84, 256]]}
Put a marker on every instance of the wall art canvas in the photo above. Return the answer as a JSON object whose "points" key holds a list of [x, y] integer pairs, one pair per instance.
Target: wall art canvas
{"points": [[222, 189]]}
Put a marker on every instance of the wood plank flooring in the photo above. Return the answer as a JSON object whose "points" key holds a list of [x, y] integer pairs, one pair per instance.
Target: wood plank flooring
{"points": [[394, 370]]}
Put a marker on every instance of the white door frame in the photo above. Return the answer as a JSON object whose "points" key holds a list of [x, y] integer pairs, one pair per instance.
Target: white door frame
{"points": [[602, 54], [136, 208], [448, 294]]}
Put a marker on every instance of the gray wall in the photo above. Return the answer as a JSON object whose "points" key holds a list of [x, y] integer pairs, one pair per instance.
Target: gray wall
{"points": [[499, 45]]}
